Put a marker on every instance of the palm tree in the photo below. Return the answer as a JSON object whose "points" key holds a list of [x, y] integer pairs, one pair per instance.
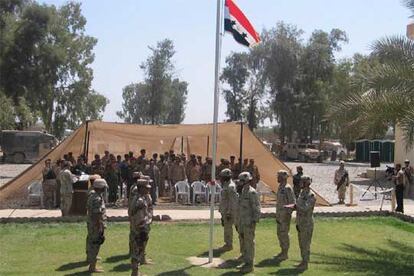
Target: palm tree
{"points": [[385, 97]]}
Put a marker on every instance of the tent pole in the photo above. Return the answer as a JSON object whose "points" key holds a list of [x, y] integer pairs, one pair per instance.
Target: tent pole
{"points": [[87, 147], [219, 23], [208, 145], [85, 138], [182, 145], [241, 147]]}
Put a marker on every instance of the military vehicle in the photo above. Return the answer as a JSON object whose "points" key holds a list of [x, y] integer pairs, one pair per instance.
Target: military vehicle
{"points": [[301, 152], [25, 146]]}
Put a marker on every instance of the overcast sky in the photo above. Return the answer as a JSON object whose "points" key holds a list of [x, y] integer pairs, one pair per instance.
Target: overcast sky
{"points": [[125, 28]]}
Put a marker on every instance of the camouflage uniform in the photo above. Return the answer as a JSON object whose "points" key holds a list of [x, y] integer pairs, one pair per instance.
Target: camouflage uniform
{"points": [[304, 221], [48, 187], [284, 196], [254, 171], [228, 210], [339, 173], [249, 215], [140, 217], [96, 225], [66, 191], [163, 167]]}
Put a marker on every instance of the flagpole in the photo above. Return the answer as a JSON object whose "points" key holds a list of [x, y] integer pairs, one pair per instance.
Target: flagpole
{"points": [[215, 119]]}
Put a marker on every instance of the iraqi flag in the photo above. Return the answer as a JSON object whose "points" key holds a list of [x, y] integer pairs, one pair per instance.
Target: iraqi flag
{"points": [[237, 24]]}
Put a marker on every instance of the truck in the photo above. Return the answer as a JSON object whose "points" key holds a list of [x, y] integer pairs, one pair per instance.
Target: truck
{"points": [[301, 152], [25, 146]]}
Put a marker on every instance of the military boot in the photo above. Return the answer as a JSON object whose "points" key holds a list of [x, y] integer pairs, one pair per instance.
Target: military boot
{"points": [[302, 266], [134, 266], [282, 256], [247, 268], [94, 269], [226, 247]]}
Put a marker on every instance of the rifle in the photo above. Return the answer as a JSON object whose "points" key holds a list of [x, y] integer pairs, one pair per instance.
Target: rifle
{"points": [[342, 181]]}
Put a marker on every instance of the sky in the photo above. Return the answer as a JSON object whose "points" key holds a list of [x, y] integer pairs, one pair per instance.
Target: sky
{"points": [[126, 28]]}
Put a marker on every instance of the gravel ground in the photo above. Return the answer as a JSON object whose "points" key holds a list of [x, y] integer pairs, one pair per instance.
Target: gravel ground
{"points": [[323, 174], [8, 171]]}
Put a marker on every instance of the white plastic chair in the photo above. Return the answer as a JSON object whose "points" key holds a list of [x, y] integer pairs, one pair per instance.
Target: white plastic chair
{"points": [[199, 188], [264, 190], [217, 194], [182, 188], [35, 192]]}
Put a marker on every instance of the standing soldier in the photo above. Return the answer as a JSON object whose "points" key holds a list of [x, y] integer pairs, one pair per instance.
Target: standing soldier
{"points": [[48, 185], [304, 220], [341, 181], [398, 178], [249, 212], [177, 174], [408, 180], [228, 207], [154, 173], [140, 218], [112, 178], [66, 188], [206, 170], [96, 223], [254, 172], [284, 196], [163, 168], [296, 181]]}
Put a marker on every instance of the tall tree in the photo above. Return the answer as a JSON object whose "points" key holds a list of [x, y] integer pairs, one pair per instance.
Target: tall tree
{"points": [[46, 60], [159, 99], [235, 75]]}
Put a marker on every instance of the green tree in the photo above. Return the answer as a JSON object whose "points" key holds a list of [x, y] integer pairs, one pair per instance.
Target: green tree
{"points": [[235, 75], [7, 115], [159, 99], [45, 59]]}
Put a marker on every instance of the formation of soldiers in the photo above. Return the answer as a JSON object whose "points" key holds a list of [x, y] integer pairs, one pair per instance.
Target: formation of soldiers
{"points": [[240, 207]]}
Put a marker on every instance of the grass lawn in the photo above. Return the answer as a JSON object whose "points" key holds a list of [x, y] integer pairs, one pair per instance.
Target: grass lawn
{"points": [[360, 246]]}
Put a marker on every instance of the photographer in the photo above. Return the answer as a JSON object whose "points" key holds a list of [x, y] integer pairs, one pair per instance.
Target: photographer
{"points": [[398, 179]]}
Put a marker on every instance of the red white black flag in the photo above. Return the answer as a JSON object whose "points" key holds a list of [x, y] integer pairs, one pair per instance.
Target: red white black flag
{"points": [[237, 24]]}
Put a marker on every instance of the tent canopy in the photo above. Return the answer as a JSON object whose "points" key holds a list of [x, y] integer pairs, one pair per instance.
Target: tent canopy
{"points": [[94, 137]]}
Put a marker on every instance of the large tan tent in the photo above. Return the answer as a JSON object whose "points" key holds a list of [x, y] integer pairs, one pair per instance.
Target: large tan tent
{"points": [[119, 138]]}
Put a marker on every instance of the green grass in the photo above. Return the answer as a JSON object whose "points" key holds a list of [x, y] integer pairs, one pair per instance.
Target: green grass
{"points": [[358, 246]]}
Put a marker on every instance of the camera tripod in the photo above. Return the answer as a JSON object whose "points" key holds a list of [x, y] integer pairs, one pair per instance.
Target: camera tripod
{"points": [[374, 183]]}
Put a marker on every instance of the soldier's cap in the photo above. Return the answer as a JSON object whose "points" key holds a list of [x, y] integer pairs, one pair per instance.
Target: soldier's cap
{"points": [[407, 161], [283, 173], [245, 176], [225, 173], [306, 178], [100, 183], [145, 177], [143, 183], [342, 162]]}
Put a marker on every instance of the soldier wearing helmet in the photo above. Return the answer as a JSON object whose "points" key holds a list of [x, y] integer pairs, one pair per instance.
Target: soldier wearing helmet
{"points": [[249, 214], [228, 207], [96, 223], [140, 217], [304, 219], [284, 196]]}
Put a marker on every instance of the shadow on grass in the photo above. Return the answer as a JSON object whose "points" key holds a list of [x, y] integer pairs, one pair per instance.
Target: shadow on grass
{"points": [[398, 260], [269, 262], [287, 271], [83, 273], [122, 267], [70, 266], [230, 264], [216, 253], [117, 258], [181, 272]]}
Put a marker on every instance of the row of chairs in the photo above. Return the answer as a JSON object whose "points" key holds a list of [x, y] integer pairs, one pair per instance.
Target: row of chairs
{"points": [[198, 188]]}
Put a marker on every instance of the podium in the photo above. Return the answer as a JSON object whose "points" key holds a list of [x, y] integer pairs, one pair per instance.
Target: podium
{"points": [[80, 195]]}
